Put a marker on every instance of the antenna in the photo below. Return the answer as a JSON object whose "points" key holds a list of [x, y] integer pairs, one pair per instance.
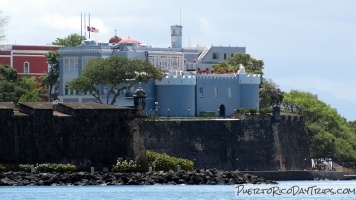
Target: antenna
{"points": [[180, 17]]}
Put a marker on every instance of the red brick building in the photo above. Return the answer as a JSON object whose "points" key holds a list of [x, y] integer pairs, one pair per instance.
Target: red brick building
{"points": [[28, 60]]}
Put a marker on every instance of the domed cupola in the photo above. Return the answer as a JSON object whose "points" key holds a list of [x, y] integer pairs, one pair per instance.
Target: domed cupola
{"points": [[129, 40], [115, 39]]}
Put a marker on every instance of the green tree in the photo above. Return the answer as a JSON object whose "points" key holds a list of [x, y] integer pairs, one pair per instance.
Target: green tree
{"points": [[270, 94], [3, 22], [51, 78], [17, 90], [251, 64], [71, 40], [118, 73], [9, 73], [31, 89], [9, 90], [328, 133]]}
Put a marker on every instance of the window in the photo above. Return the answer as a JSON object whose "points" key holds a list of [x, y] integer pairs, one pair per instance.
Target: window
{"points": [[229, 93], [232, 55], [70, 64], [216, 92], [85, 61], [224, 56], [66, 65], [26, 67], [201, 92], [215, 55]]}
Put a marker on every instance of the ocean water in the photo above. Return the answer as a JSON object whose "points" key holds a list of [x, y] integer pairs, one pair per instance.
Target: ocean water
{"points": [[284, 190]]}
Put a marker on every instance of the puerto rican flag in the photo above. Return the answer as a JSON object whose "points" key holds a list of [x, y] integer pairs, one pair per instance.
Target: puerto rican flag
{"points": [[92, 29]]}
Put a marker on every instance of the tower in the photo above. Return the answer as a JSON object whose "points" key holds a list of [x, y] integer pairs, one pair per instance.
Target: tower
{"points": [[176, 36]]}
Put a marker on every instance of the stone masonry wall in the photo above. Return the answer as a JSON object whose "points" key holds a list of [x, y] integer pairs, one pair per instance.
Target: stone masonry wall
{"points": [[231, 144], [85, 134], [95, 135]]}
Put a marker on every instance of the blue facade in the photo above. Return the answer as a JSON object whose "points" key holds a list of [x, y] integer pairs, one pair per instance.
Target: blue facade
{"points": [[182, 92]]}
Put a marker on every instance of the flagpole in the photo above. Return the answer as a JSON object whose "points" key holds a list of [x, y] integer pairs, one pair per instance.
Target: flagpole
{"points": [[85, 26], [81, 26], [89, 26]]}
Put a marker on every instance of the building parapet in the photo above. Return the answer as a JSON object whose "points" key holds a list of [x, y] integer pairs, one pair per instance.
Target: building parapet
{"points": [[217, 76], [178, 78], [250, 78]]}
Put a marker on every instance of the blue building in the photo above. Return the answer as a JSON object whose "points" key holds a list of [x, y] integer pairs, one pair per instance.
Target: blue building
{"points": [[187, 88]]}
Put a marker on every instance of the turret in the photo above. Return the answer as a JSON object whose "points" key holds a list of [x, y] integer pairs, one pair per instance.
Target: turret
{"points": [[176, 36]]}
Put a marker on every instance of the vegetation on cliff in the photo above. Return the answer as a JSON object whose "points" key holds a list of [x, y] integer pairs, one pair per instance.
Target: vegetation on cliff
{"points": [[329, 133]]}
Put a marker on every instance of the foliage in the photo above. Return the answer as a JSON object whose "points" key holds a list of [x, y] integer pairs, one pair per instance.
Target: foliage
{"points": [[118, 73], [264, 111], [207, 114], [71, 40], [164, 162], [8, 73], [270, 94], [48, 167], [3, 22], [251, 64], [242, 110], [32, 90], [14, 90], [129, 165], [51, 78], [328, 133], [9, 90], [253, 111]]}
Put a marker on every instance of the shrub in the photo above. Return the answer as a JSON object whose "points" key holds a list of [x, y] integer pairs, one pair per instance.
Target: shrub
{"points": [[165, 162], [242, 110], [264, 111], [253, 111], [207, 114], [48, 167], [128, 165]]}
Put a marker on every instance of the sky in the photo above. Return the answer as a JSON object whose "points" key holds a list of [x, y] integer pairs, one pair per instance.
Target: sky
{"points": [[306, 45]]}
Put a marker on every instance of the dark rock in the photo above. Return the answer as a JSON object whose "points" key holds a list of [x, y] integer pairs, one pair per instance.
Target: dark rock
{"points": [[210, 177]]}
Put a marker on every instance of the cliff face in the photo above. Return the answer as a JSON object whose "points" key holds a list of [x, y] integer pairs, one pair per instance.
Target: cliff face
{"points": [[251, 144], [95, 135]]}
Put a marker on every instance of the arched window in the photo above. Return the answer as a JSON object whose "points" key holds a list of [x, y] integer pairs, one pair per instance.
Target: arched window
{"points": [[26, 67], [224, 56], [232, 55]]}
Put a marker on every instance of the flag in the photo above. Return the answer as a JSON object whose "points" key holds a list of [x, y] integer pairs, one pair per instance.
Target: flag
{"points": [[92, 29]]}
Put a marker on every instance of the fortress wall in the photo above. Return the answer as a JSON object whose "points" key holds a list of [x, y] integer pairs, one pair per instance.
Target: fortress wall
{"points": [[231, 144], [90, 134], [85, 134]]}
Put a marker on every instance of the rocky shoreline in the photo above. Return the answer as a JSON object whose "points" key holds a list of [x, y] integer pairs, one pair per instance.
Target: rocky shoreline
{"points": [[198, 177]]}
